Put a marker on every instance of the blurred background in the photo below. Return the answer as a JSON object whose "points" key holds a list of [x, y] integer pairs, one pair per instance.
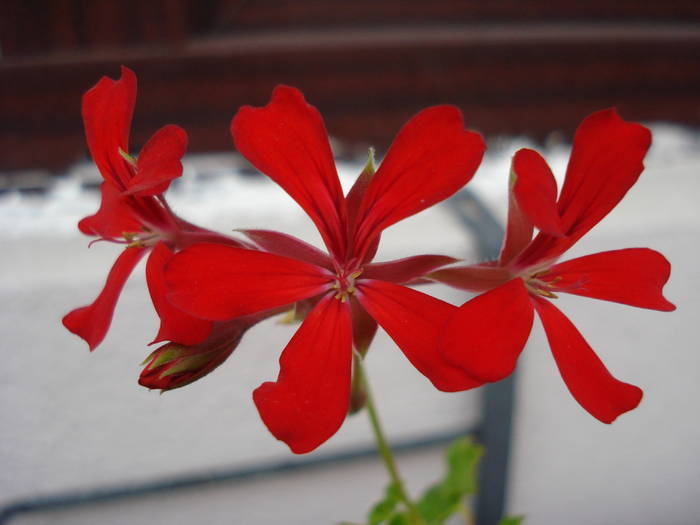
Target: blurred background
{"points": [[81, 442]]}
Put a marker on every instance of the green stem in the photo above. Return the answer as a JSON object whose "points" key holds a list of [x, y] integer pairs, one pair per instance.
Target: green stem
{"points": [[383, 446]]}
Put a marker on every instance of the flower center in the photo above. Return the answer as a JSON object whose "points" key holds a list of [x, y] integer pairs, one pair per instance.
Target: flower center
{"points": [[141, 239], [535, 284], [345, 284]]}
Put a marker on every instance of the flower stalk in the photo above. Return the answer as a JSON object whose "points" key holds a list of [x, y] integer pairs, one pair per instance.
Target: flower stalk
{"points": [[383, 446]]}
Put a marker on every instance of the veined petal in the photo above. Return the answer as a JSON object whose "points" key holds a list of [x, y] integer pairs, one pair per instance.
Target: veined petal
{"points": [[287, 141], [159, 162], [114, 218], [606, 161], [635, 276], [309, 401], [175, 325], [431, 158], [415, 322], [406, 269], [283, 244], [485, 335], [92, 322], [585, 375], [218, 282], [475, 278], [107, 110]]}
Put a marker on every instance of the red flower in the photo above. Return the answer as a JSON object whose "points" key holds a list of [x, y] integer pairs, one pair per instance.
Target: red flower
{"points": [[134, 212], [486, 335], [431, 158]]}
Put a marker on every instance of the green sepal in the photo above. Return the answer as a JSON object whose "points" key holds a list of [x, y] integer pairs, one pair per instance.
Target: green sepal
{"points": [[370, 166], [131, 160]]}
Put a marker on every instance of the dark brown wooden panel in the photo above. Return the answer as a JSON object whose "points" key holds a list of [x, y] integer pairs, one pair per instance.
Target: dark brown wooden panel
{"points": [[507, 78]]}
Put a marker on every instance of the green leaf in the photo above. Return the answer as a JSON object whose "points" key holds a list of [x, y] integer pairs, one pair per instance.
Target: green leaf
{"points": [[383, 509], [463, 456], [444, 498], [399, 519], [438, 503], [511, 520]]}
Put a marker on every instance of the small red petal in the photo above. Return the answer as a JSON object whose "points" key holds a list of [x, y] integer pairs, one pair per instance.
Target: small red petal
{"points": [[415, 322], [308, 402], [283, 244], [486, 334], [175, 325], [606, 160], [92, 322], [407, 269], [635, 276], [536, 191], [475, 278], [107, 110], [585, 375], [431, 158], [218, 282], [287, 141], [532, 201], [159, 162], [114, 218]]}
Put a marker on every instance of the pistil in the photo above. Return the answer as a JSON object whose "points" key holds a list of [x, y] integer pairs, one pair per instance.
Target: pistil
{"points": [[345, 284]]}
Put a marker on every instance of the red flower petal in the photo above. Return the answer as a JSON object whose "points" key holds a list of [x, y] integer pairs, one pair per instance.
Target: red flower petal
{"points": [[159, 162], [519, 229], [356, 194], [287, 141], [431, 158], [407, 269], [586, 377], [283, 244], [219, 282], [309, 401], [415, 321], [107, 111], [114, 218], [92, 322], [486, 334], [606, 161], [536, 191], [175, 325], [476, 278], [635, 276]]}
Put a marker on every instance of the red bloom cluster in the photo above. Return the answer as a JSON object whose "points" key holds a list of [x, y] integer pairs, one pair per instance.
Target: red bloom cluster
{"points": [[486, 335], [208, 289], [134, 212]]}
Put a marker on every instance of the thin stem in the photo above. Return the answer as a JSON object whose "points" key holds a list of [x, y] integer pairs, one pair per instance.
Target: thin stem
{"points": [[383, 446]]}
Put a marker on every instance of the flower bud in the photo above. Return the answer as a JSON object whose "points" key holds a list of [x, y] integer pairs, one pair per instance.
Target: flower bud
{"points": [[173, 365]]}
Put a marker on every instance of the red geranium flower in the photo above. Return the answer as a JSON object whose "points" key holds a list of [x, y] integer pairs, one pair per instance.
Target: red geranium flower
{"points": [[486, 335], [134, 212], [431, 158]]}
